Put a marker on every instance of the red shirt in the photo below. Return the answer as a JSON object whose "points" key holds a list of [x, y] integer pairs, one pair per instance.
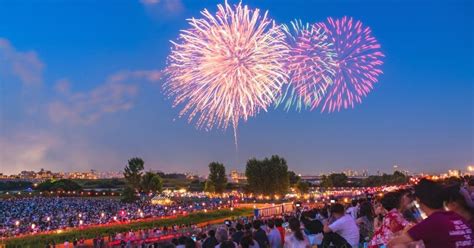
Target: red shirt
{"points": [[443, 229], [282, 234]]}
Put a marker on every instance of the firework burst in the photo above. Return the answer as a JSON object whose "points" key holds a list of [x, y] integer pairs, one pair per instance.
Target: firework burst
{"points": [[226, 67], [358, 62], [310, 66]]}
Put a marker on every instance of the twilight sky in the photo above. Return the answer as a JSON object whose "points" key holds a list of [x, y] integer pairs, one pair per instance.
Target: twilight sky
{"points": [[80, 88]]}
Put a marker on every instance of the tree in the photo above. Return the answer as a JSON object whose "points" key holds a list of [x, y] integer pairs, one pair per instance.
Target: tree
{"points": [[217, 179], [268, 176], [151, 182], [129, 195], [303, 187], [196, 186], [133, 172], [334, 180], [294, 178], [62, 184], [396, 178], [209, 187]]}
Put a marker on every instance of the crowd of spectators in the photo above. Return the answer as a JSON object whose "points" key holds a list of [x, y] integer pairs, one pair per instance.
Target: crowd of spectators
{"points": [[38, 214], [430, 214]]}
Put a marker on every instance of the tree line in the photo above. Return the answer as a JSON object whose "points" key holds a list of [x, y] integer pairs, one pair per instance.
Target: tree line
{"points": [[267, 176]]}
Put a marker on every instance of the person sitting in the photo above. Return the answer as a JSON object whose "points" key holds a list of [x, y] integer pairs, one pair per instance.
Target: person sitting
{"points": [[353, 209], [281, 230], [343, 231], [392, 223], [222, 237], [211, 241], [273, 235], [365, 221], [248, 242], [237, 235], [441, 228], [296, 239], [259, 234], [456, 202]]}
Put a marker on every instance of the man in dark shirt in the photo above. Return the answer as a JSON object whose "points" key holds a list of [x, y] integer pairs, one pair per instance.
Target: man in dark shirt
{"points": [[441, 228], [211, 241], [237, 236], [260, 235]]}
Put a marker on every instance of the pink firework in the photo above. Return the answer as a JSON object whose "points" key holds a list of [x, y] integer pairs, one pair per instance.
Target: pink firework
{"points": [[358, 62], [310, 66], [227, 66]]}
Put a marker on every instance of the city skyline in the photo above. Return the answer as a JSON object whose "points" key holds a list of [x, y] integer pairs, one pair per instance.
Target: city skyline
{"points": [[85, 93]]}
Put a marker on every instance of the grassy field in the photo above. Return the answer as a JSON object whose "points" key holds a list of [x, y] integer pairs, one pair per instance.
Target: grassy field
{"points": [[40, 240]]}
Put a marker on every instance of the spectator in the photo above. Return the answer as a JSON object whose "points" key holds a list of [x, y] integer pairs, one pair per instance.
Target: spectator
{"points": [[353, 209], [279, 226], [237, 236], [343, 231], [456, 202], [296, 239], [211, 240], [365, 222], [248, 242], [259, 235], [441, 228], [313, 228], [407, 208], [393, 221], [181, 242], [227, 244], [273, 235]]}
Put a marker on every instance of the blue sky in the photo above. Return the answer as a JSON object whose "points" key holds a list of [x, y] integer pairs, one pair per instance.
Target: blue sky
{"points": [[80, 88]]}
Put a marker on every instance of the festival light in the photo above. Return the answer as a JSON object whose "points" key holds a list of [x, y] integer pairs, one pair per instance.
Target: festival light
{"points": [[226, 67]]}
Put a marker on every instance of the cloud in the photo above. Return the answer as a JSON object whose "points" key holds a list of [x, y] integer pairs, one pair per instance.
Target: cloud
{"points": [[116, 94], [33, 149], [24, 151], [24, 65]]}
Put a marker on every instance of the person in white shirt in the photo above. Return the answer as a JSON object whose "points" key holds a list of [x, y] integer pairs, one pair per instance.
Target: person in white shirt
{"points": [[342, 231], [273, 235], [353, 209], [296, 239]]}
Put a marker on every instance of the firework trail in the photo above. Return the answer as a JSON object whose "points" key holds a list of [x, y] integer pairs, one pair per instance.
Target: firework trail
{"points": [[310, 66], [358, 62], [226, 67]]}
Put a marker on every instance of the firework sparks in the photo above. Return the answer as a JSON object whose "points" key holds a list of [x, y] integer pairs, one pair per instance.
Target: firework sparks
{"points": [[310, 66], [358, 62], [227, 66]]}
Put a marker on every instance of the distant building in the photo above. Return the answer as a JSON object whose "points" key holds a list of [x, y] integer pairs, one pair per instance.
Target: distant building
{"points": [[237, 177], [27, 175], [454, 173]]}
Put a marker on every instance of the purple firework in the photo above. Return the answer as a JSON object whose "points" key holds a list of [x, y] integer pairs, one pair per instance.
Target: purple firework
{"points": [[310, 66], [358, 61]]}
